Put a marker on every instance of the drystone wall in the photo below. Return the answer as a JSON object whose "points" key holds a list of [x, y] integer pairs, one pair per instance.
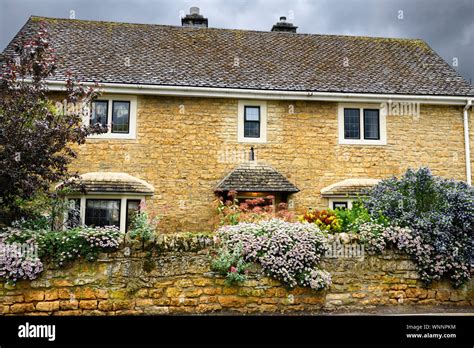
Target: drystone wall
{"points": [[173, 276]]}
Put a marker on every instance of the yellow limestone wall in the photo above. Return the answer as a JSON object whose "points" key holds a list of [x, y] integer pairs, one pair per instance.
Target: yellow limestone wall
{"points": [[185, 146]]}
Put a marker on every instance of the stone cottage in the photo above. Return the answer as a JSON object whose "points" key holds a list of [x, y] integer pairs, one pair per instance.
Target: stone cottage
{"points": [[309, 119]]}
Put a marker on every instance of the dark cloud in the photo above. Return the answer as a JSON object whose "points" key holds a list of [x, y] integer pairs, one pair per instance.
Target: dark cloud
{"points": [[446, 25]]}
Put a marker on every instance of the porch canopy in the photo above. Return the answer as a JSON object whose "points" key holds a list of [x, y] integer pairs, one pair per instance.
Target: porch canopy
{"points": [[349, 187], [113, 183], [256, 177]]}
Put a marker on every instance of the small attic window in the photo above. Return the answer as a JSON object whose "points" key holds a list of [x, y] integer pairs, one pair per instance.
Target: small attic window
{"points": [[340, 204]]}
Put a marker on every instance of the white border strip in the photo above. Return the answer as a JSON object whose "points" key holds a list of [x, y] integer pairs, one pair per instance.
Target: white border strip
{"points": [[207, 92]]}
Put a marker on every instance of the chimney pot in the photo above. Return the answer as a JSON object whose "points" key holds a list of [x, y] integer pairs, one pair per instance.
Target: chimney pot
{"points": [[285, 26], [194, 19]]}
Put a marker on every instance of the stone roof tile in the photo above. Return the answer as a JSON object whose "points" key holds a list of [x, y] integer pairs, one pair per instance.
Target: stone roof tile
{"points": [[256, 177], [112, 182], [108, 52], [349, 187]]}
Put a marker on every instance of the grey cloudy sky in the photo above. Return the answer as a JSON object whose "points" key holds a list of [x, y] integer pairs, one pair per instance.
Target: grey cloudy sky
{"points": [[446, 25]]}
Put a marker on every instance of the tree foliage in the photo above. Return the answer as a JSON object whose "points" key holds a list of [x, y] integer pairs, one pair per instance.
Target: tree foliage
{"points": [[36, 138]]}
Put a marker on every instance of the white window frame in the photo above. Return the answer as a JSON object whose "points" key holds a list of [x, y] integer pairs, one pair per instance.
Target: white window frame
{"points": [[123, 205], [132, 131], [362, 141], [263, 121], [340, 199]]}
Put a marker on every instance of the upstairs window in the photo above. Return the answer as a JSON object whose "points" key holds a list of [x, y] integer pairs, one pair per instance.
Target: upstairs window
{"points": [[252, 122], [351, 124], [361, 125], [371, 124], [118, 114], [99, 112]]}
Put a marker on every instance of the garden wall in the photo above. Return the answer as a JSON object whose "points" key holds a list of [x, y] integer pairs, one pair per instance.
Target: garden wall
{"points": [[173, 276]]}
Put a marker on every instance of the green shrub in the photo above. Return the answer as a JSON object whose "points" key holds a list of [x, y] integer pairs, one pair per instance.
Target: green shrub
{"points": [[350, 220], [231, 264], [438, 215], [142, 227]]}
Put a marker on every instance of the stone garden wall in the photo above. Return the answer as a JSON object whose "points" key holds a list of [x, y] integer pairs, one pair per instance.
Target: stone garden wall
{"points": [[173, 276]]}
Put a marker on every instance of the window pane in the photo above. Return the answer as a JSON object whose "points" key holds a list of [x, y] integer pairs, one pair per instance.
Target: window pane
{"points": [[252, 122], [120, 116], [132, 209], [252, 113], [99, 112], [103, 212], [339, 205], [74, 213], [252, 129], [351, 124], [371, 124]]}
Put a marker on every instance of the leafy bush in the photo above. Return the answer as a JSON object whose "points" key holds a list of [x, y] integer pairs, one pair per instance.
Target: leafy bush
{"points": [[289, 252], [46, 212], [231, 264], [61, 247], [142, 227], [351, 219], [326, 220], [37, 142], [33, 224], [439, 216], [58, 247]]}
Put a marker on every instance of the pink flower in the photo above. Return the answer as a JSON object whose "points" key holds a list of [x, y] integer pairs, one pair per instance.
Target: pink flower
{"points": [[233, 269]]}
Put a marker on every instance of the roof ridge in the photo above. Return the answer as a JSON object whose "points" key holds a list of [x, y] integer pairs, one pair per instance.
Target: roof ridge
{"points": [[33, 17]]}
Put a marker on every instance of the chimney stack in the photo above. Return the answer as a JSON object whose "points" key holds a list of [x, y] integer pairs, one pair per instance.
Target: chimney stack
{"points": [[283, 25], [194, 19]]}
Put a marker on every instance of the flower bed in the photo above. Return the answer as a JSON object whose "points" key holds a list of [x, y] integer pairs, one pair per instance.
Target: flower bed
{"points": [[427, 217]]}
